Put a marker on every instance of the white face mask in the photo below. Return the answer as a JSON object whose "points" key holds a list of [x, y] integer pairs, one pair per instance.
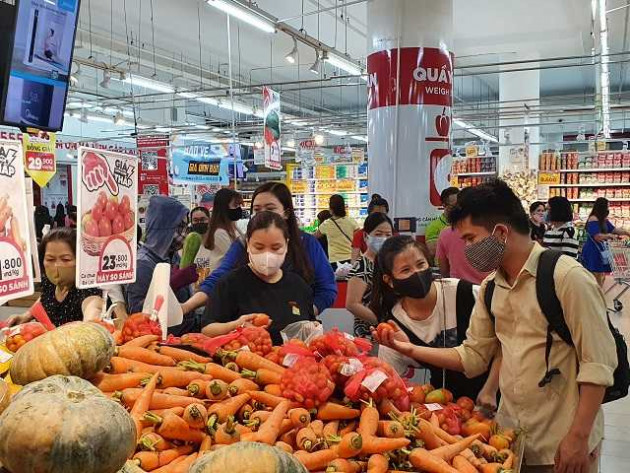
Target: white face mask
{"points": [[267, 263]]}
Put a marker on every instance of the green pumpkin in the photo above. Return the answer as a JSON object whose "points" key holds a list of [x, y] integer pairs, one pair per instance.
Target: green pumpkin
{"points": [[247, 457]]}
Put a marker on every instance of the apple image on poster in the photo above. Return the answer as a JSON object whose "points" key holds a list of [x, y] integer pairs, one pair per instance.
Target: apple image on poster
{"points": [[441, 162]]}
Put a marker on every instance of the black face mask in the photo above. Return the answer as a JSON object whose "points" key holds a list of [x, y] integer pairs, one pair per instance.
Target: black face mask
{"points": [[200, 228], [235, 214], [416, 286]]}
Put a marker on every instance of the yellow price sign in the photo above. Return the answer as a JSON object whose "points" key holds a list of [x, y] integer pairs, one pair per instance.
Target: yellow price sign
{"points": [[548, 178]]}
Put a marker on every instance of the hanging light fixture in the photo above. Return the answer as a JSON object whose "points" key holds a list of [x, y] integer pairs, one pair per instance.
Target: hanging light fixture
{"points": [[84, 116], [244, 14], [293, 54], [119, 119], [319, 139], [107, 77], [316, 65]]}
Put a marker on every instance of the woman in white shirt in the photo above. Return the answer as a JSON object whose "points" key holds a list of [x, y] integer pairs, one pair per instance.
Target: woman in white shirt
{"points": [[561, 234], [222, 231], [429, 312]]}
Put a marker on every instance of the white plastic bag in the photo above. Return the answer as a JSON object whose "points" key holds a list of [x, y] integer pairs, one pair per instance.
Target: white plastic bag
{"points": [[304, 330]]}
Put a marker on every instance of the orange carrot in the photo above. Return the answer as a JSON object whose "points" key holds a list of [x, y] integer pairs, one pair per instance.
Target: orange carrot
{"points": [[242, 385], [391, 429], [214, 370], [118, 365], [129, 397], [349, 427], [228, 407], [195, 416], [117, 382], [462, 465], [491, 468], [142, 404], [448, 452], [181, 355], [217, 390], [306, 439], [386, 406], [173, 427], [154, 442], [270, 430], [178, 411], [340, 465], [372, 444], [423, 460], [300, 417], [173, 377], [331, 429], [206, 443], [284, 446], [368, 423], [333, 411], [254, 362], [350, 445], [258, 417], [487, 451], [316, 460], [245, 412], [197, 388], [289, 437], [227, 434], [508, 458], [265, 398], [318, 428], [472, 458], [424, 431], [149, 461], [181, 465], [263, 376], [274, 389], [377, 464], [285, 426], [176, 391], [143, 341], [144, 355]]}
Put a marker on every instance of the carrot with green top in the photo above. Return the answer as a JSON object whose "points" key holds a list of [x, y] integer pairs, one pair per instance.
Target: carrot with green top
{"points": [[391, 429], [448, 452], [350, 445], [212, 369], [195, 416], [142, 341], [242, 385], [173, 427], [300, 417], [150, 461], [315, 461], [377, 463], [117, 382], [142, 404], [228, 407], [306, 439], [333, 411], [217, 390], [197, 388], [144, 355], [368, 422], [425, 461]]}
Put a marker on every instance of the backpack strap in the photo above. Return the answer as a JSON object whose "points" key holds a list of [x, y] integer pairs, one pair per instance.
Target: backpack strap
{"points": [[464, 303], [551, 308], [487, 299]]}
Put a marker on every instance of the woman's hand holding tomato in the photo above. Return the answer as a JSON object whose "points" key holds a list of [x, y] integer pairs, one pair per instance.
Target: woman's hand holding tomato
{"points": [[390, 335]]}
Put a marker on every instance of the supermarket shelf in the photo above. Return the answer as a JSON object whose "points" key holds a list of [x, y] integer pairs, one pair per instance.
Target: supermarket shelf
{"points": [[606, 184], [323, 207], [327, 178], [472, 174], [269, 174], [589, 170], [610, 199], [329, 193]]}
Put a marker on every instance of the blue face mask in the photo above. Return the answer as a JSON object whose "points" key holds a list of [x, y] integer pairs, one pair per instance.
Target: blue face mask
{"points": [[375, 243]]}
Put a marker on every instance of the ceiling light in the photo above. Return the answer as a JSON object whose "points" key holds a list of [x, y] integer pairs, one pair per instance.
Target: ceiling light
{"points": [[244, 14], [139, 81], [475, 131], [291, 143], [319, 139], [163, 129], [288, 148], [338, 132], [202, 127], [293, 55], [187, 95], [97, 118], [258, 145], [107, 77], [316, 65], [119, 119], [360, 138], [343, 63]]}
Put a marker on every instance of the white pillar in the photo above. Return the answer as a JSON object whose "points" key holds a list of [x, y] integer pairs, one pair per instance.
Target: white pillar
{"points": [[517, 91], [410, 68]]}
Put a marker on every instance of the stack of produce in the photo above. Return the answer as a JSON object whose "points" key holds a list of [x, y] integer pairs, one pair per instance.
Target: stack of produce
{"points": [[186, 410]]}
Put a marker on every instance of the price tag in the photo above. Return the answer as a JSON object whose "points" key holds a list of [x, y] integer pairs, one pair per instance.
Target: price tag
{"points": [[352, 367], [290, 360], [348, 336], [244, 348], [115, 263], [434, 407], [374, 380]]}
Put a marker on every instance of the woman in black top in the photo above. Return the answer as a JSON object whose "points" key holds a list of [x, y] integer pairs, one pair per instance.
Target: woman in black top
{"points": [[537, 221], [62, 300], [261, 286]]}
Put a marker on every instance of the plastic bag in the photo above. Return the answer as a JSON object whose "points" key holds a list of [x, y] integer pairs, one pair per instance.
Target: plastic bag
{"points": [[20, 335], [256, 339], [304, 330], [342, 271], [377, 381], [339, 343]]}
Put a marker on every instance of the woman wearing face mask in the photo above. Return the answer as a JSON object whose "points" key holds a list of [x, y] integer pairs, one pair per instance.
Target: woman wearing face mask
{"points": [[305, 255], [62, 300], [428, 312], [377, 228], [222, 231], [261, 286], [537, 221]]}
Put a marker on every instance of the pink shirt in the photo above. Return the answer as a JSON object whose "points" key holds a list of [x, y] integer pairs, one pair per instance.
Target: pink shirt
{"points": [[450, 247]]}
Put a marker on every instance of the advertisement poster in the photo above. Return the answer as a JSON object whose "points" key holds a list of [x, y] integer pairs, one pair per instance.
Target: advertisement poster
{"points": [[16, 272], [30, 206], [153, 172], [106, 234], [306, 152], [203, 164], [272, 118], [259, 156], [39, 156]]}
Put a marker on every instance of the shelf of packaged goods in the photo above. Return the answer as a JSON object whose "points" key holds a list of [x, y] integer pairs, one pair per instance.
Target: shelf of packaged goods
{"points": [[601, 184], [323, 207], [270, 174], [588, 170], [609, 199], [330, 193], [360, 178], [473, 174]]}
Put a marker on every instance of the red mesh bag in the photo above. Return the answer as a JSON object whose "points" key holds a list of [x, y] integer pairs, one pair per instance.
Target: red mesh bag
{"points": [[377, 381], [307, 382], [338, 343], [257, 339], [22, 334], [138, 325]]}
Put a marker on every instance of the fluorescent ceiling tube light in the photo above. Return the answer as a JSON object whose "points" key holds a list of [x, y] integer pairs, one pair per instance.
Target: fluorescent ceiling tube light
{"points": [[187, 95], [244, 15], [338, 132], [475, 131], [316, 65], [344, 64], [151, 84], [202, 127], [360, 138], [293, 54]]}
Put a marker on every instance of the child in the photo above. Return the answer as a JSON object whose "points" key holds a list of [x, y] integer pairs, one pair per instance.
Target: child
{"points": [[261, 286]]}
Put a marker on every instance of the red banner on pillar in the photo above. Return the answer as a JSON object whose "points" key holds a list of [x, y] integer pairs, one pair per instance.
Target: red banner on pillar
{"points": [[153, 153]]}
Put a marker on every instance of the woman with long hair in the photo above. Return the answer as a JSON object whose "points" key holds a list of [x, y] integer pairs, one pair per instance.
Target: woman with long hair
{"points": [[339, 230], [428, 312], [305, 255], [599, 230], [222, 231], [561, 234]]}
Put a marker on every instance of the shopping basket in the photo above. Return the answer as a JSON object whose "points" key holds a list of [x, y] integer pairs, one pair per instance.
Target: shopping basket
{"points": [[619, 258]]}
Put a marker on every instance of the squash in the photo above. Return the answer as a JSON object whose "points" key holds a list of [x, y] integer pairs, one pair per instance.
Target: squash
{"points": [[63, 424], [77, 349], [5, 395], [247, 457], [192, 243]]}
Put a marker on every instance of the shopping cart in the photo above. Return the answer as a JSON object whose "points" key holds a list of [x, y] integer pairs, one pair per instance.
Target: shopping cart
{"points": [[619, 258]]}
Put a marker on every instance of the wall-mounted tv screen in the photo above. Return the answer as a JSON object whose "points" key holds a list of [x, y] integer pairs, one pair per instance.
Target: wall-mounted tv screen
{"points": [[36, 84]]}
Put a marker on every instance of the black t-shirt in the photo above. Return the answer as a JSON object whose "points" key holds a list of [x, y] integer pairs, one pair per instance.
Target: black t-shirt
{"points": [[241, 292], [68, 310]]}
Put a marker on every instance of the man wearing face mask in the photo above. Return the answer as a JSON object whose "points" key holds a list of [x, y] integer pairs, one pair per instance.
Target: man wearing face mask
{"points": [[166, 225], [552, 389]]}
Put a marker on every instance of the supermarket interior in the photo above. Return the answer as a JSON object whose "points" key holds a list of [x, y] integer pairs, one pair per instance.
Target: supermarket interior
{"points": [[306, 180]]}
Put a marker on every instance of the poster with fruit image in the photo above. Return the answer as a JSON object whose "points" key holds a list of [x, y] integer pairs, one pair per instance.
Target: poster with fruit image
{"points": [[108, 213], [272, 118], [16, 272]]}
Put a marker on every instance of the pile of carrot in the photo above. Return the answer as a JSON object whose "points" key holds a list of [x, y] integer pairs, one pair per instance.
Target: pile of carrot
{"points": [[185, 405]]}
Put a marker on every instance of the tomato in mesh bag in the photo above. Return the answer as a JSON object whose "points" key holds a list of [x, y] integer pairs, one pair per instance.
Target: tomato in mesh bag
{"points": [[338, 343], [138, 325], [307, 382], [257, 339], [377, 381], [22, 334], [340, 368], [274, 355]]}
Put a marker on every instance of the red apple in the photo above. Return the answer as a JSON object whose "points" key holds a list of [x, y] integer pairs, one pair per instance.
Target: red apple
{"points": [[111, 210], [130, 221], [97, 212], [104, 227], [124, 205], [118, 225], [91, 228], [101, 201]]}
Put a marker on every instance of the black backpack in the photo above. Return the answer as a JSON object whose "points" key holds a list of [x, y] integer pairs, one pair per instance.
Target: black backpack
{"points": [[552, 310]]}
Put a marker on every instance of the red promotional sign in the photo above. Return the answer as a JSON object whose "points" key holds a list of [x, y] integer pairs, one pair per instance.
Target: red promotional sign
{"points": [[153, 152], [426, 77]]}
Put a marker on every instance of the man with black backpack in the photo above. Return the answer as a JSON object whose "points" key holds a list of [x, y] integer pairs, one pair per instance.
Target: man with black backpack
{"points": [[548, 316]]}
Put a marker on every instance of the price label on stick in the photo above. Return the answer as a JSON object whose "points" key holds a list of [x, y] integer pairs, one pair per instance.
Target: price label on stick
{"points": [[115, 262]]}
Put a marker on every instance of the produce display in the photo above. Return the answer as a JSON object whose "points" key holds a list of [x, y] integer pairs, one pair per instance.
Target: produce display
{"points": [[190, 404]]}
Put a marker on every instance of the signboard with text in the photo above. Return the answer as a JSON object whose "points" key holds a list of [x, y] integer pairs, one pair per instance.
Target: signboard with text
{"points": [[203, 164], [108, 212], [153, 173], [272, 117], [548, 178], [39, 156]]}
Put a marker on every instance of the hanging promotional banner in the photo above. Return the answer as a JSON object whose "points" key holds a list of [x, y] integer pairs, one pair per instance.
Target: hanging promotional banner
{"points": [[39, 156], [153, 172], [203, 164], [107, 209], [272, 118], [30, 205], [306, 152], [259, 156], [16, 272]]}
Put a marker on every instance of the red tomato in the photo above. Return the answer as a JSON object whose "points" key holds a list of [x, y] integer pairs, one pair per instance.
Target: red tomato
{"points": [[111, 210], [101, 201], [118, 225], [97, 212], [124, 205], [104, 227], [91, 228], [466, 403]]}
